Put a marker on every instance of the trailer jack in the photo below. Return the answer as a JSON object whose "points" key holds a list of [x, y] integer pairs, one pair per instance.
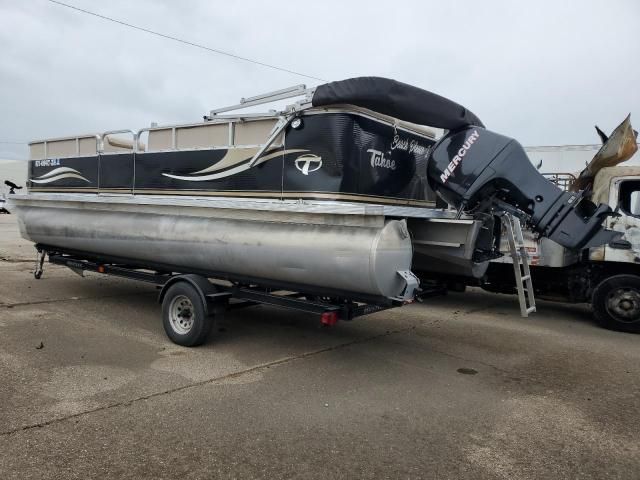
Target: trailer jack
{"points": [[37, 273]]}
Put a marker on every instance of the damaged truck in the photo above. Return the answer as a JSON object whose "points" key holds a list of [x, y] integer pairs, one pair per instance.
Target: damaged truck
{"points": [[606, 276]]}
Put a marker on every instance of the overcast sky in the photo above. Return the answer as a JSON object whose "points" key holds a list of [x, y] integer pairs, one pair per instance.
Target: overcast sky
{"points": [[543, 72]]}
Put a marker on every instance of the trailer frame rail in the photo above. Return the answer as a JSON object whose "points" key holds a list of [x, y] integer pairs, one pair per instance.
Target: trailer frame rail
{"points": [[232, 295]]}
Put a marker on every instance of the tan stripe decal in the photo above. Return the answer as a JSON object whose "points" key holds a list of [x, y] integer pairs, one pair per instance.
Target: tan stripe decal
{"points": [[234, 164], [233, 157]]}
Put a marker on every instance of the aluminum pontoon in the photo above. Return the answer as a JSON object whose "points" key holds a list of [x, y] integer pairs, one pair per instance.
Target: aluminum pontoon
{"points": [[338, 196]]}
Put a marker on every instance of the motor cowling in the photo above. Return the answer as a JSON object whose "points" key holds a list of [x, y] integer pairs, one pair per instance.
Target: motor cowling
{"points": [[475, 169]]}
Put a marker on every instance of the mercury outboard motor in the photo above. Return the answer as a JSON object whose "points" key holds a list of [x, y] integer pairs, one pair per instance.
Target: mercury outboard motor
{"points": [[475, 169]]}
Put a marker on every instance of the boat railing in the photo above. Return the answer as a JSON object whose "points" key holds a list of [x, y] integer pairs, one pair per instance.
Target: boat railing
{"points": [[252, 131], [77, 145], [233, 132]]}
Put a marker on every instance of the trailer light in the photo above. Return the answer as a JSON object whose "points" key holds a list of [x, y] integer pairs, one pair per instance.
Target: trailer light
{"points": [[101, 268], [329, 318]]}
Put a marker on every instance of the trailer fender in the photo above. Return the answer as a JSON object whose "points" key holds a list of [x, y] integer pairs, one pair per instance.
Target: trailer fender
{"points": [[203, 286]]}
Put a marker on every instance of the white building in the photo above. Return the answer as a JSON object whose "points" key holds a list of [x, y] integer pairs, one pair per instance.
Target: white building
{"points": [[567, 158]]}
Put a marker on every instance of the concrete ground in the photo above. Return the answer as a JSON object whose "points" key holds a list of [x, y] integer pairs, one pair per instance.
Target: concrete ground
{"points": [[459, 387]]}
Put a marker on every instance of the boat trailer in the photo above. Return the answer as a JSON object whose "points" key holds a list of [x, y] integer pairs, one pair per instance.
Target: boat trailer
{"points": [[191, 304]]}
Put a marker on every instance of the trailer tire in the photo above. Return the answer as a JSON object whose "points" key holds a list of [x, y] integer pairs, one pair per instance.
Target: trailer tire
{"points": [[184, 315], [616, 303]]}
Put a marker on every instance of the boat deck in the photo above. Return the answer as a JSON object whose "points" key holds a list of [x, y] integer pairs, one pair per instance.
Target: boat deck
{"points": [[257, 204]]}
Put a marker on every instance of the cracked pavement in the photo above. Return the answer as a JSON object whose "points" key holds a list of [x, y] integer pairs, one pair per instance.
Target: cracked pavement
{"points": [[459, 387]]}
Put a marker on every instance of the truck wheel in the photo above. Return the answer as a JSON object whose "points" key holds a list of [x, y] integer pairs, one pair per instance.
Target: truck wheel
{"points": [[616, 303], [184, 315]]}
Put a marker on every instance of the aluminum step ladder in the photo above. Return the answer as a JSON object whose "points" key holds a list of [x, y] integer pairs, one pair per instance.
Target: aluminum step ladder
{"points": [[521, 269]]}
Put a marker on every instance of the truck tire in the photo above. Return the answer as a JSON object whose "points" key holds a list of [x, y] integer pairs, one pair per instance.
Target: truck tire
{"points": [[184, 315], [616, 303]]}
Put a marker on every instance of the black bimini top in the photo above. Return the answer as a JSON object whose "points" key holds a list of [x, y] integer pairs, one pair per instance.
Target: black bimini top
{"points": [[396, 99]]}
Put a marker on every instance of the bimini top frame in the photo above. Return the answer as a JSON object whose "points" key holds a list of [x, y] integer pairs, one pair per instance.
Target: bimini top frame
{"points": [[382, 95], [269, 97], [285, 117]]}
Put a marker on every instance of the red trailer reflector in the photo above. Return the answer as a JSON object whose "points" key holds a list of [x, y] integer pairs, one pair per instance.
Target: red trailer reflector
{"points": [[101, 268], [329, 318]]}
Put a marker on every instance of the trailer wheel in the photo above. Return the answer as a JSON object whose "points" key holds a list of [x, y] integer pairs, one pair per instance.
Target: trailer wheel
{"points": [[184, 315], [616, 303]]}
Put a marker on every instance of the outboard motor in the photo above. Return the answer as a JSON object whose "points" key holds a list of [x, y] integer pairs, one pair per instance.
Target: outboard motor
{"points": [[475, 169]]}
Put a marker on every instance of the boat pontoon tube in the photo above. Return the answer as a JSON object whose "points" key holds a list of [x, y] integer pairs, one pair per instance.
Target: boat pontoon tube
{"points": [[352, 259]]}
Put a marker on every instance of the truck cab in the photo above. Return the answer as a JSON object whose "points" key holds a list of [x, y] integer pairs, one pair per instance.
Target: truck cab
{"points": [[619, 187], [606, 276]]}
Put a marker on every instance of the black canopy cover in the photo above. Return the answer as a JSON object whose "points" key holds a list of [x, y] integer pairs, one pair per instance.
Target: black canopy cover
{"points": [[396, 99]]}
